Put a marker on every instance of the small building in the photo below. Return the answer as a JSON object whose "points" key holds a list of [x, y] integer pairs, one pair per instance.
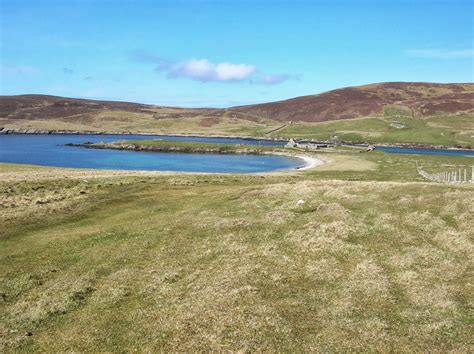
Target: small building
{"points": [[291, 144]]}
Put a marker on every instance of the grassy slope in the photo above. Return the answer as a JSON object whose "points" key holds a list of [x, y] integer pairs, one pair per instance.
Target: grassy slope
{"points": [[438, 130], [189, 262]]}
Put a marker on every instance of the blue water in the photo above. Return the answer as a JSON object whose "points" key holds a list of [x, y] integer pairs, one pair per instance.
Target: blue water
{"points": [[419, 151], [49, 150]]}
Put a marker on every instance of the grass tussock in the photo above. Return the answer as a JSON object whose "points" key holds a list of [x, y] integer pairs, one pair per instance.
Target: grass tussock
{"points": [[201, 262]]}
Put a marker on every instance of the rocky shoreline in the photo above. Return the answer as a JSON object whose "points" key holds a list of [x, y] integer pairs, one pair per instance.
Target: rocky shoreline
{"points": [[240, 149], [6, 131]]}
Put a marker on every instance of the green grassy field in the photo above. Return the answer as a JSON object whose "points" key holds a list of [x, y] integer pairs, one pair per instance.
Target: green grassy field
{"points": [[376, 259], [189, 146], [437, 130]]}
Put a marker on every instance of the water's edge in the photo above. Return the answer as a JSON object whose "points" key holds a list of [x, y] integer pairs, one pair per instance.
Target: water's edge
{"points": [[51, 150], [5, 131]]}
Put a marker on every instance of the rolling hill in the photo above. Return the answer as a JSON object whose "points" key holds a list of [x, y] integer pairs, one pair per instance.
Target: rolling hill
{"points": [[395, 112], [415, 99]]}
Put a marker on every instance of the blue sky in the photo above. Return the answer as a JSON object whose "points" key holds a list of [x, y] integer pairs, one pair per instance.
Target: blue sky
{"points": [[223, 53]]}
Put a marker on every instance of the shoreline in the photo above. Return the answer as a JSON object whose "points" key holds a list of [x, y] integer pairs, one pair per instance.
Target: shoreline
{"points": [[184, 135], [51, 171], [224, 149], [7, 131], [309, 161]]}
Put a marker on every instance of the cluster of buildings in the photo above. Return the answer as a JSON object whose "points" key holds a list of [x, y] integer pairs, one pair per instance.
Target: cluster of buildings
{"points": [[307, 145]]}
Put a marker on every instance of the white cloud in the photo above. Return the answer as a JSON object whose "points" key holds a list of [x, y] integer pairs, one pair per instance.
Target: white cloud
{"points": [[204, 70], [441, 53]]}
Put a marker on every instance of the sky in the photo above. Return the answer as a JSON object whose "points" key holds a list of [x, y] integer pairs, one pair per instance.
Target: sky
{"points": [[203, 53]]}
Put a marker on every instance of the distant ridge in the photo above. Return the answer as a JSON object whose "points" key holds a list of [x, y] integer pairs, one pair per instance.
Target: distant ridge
{"points": [[32, 106], [420, 98], [414, 98]]}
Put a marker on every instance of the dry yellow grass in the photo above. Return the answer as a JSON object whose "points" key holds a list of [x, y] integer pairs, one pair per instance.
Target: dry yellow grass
{"points": [[213, 262]]}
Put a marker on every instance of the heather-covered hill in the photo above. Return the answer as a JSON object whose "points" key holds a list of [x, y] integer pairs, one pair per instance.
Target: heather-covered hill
{"points": [[48, 107], [410, 98]]}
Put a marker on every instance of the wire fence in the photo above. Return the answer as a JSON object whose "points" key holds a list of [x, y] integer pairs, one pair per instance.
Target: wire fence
{"points": [[461, 175]]}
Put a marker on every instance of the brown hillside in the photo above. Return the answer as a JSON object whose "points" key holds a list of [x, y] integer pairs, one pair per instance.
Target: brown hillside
{"points": [[43, 106], [419, 99], [49, 107], [416, 99]]}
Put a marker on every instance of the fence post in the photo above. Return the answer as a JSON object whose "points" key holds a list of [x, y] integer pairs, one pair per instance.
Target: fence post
{"points": [[460, 176]]}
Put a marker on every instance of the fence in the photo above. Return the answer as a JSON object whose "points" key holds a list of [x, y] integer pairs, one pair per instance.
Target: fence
{"points": [[462, 175]]}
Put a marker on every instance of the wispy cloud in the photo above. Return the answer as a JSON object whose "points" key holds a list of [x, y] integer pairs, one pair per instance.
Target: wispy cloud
{"points": [[204, 70], [144, 56], [273, 79], [68, 71], [19, 70], [441, 53]]}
